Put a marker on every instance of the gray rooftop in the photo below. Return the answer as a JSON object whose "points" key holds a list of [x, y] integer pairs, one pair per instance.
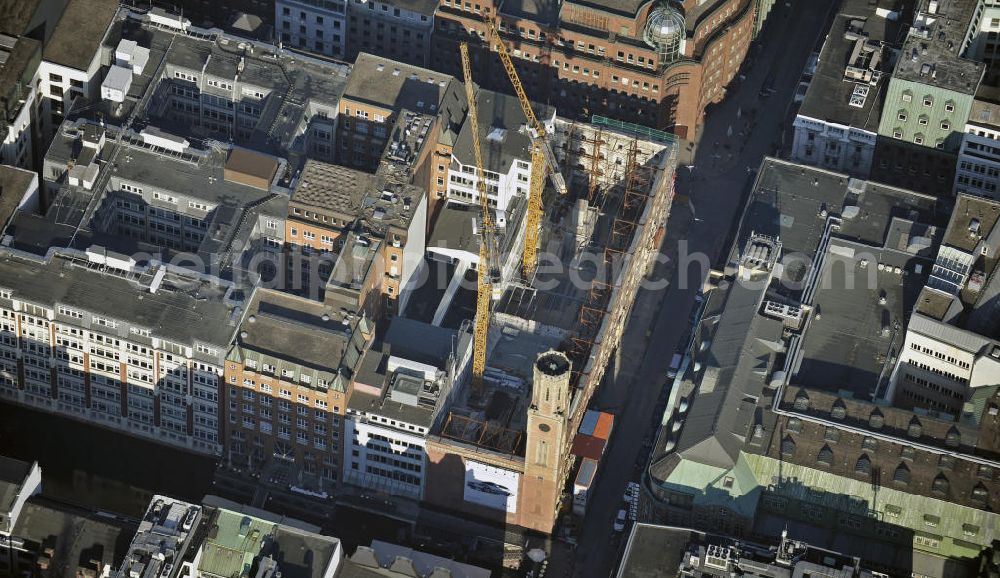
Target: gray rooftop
{"points": [[417, 415], [200, 178], [453, 229], [858, 312], [221, 57], [861, 314], [76, 536], [410, 341], [932, 51], [12, 475], [394, 85], [792, 202], [302, 554], [14, 183], [986, 108], [299, 331], [182, 310], [356, 194], [297, 86], [78, 36], [951, 335], [17, 15], [654, 551], [197, 175], [423, 342], [502, 132], [855, 39], [16, 71], [386, 559], [740, 357]]}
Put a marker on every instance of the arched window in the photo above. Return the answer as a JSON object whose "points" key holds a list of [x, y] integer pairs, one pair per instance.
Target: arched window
{"points": [[902, 474], [825, 456]]}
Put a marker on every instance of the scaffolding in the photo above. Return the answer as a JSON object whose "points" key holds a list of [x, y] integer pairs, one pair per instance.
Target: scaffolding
{"points": [[630, 199], [483, 433]]}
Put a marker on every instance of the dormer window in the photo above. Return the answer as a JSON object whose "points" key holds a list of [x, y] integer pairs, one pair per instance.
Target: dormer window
{"points": [[928, 101], [907, 96]]}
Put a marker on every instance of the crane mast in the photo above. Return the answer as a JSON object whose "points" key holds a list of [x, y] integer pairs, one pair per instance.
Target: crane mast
{"points": [[542, 159], [487, 236]]}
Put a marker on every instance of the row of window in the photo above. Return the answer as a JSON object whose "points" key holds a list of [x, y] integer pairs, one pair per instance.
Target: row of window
{"points": [[928, 101], [950, 359]]}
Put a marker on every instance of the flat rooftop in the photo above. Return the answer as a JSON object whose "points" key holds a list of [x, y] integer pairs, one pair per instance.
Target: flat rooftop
{"points": [[356, 194], [985, 110], [296, 86], [78, 36], [394, 85], [15, 73], [76, 536], [931, 52], [792, 202], [15, 15], [387, 560], [282, 329], [860, 318], [503, 132], [191, 178], [14, 183], [182, 309], [856, 39], [12, 475], [391, 407]]}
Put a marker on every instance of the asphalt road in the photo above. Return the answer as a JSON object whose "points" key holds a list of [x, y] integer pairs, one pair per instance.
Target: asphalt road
{"points": [[737, 135]]}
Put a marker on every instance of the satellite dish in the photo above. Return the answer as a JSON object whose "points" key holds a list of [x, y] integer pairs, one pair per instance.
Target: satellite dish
{"points": [[536, 555]]}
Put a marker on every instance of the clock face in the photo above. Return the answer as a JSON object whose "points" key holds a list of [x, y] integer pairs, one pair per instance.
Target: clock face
{"points": [[544, 427]]}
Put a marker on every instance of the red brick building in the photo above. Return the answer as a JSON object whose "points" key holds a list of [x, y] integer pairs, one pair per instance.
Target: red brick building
{"points": [[653, 62]]}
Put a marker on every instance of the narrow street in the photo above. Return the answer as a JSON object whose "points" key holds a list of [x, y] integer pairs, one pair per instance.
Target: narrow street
{"points": [[710, 195]]}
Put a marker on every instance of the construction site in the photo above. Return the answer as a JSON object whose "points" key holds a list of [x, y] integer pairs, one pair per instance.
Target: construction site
{"points": [[501, 450]]}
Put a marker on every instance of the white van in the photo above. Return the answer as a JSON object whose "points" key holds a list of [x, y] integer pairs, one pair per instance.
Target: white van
{"points": [[675, 365]]}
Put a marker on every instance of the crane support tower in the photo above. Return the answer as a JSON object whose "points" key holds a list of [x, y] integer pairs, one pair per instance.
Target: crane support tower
{"points": [[487, 237], [543, 159]]}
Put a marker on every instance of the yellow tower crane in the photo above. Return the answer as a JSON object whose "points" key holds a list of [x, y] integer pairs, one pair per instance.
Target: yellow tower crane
{"points": [[487, 236], [542, 158]]}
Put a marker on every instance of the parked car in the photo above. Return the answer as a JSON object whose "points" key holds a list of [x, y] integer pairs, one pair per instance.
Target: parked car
{"points": [[620, 521], [675, 364]]}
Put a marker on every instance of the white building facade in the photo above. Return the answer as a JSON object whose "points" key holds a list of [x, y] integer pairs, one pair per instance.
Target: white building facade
{"points": [[117, 373], [463, 184], [978, 169], [833, 146], [385, 454], [939, 366], [16, 147]]}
